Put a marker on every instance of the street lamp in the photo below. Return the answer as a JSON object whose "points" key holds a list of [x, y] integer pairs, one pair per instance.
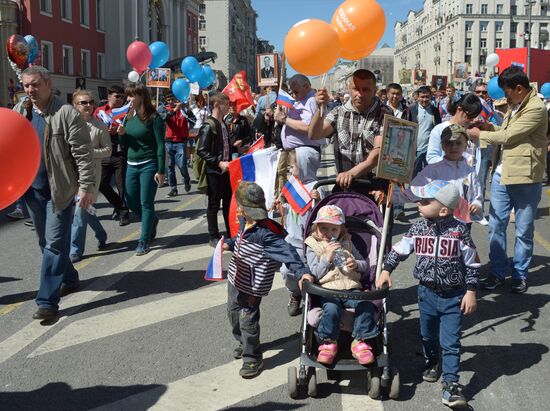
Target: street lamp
{"points": [[450, 56], [527, 36]]}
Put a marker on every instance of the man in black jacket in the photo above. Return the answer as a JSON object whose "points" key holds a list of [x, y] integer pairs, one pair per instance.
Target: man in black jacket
{"points": [[427, 117], [214, 147]]}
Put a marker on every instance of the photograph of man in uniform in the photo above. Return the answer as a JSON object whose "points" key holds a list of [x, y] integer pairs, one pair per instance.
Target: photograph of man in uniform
{"points": [[439, 82], [420, 77], [268, 70], [405, 76], [399, 150]]}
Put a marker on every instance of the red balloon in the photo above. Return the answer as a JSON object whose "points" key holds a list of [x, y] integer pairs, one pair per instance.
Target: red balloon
{"points": [[18, 50], [19, 156], [139, 56]]}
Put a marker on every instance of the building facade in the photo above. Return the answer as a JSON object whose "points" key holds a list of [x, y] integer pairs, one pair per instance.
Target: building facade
{"points": [[380, 62], [446, 32], [228, 28], [9, 22]]}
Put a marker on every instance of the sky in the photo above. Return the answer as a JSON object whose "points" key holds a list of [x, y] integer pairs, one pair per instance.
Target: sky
{"points": [[276, 17]]}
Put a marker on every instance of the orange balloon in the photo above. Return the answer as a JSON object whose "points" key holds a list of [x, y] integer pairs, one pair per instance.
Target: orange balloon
{"points": [[360, 24], [312, 47]]}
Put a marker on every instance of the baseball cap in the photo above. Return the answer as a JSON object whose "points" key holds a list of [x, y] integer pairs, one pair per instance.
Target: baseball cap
{"points": [[442, 191], [330, 214], [251, 199], [452, 133]]}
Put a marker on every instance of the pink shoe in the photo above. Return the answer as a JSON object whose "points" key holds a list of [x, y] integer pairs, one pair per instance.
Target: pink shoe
{"points": [[327, 352], [362, 352]]}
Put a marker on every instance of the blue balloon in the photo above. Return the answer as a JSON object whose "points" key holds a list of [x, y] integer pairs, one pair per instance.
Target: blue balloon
{"points": [[209, 73], [181, 89], [545, 90], [495, 92], [160, 52], [33, 48], [203, 79], [191, 68]]}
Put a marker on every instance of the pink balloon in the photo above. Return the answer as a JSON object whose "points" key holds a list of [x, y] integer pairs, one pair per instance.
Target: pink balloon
{"points": [[139, 56]]}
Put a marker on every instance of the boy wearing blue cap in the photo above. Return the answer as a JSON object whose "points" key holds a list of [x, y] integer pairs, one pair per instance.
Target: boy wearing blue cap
{"points": [[447, 267]]}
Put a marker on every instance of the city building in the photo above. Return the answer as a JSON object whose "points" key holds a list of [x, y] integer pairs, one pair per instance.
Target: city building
{"points": [[380, 62], [446, 32], [9, 21], [264, 46], [337, 78], [228, 28]]}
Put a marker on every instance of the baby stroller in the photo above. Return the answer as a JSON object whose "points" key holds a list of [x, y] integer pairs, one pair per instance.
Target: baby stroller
{"points": [[365, 223]]}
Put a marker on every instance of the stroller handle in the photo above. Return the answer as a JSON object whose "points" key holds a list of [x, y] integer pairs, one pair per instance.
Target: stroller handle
{"points": [[378, 294], [376, 184]]}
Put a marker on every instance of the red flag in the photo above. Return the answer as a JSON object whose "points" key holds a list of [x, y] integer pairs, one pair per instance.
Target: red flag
{"points": [[239, 92], [258, 145]]}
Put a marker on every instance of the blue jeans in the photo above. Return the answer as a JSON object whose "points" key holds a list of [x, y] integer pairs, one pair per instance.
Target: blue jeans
{"points": [[419, 163], [78, 232], [440, 316], [524, 199], [54, 239], [364, 326], [177, 156]]}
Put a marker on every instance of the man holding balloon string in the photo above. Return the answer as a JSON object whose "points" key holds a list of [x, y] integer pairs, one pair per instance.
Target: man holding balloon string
{"points": [[66, 168]]}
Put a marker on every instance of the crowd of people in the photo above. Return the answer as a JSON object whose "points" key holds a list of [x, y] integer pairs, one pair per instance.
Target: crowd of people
{"points": [[85, 148]]}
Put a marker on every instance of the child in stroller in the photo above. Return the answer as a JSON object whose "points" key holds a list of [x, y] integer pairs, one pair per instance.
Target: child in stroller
{"points": [[337, 265]]}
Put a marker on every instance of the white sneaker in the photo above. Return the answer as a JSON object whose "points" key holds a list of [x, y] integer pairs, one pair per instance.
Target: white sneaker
{"points": [[483, 222]]}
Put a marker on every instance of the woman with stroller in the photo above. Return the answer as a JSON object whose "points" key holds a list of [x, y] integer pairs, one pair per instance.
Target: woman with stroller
{"points": [[337, 265]]}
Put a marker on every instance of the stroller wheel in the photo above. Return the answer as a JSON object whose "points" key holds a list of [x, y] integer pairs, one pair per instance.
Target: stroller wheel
{"points": [[312, 382], [373, 379], [292, 382], [395, 384]]}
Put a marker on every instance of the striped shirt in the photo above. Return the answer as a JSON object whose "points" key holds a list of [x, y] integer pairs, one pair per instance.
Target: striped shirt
{"points": [[355, 132]]}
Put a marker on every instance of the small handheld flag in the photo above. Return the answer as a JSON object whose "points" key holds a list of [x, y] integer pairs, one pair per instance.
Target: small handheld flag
{"points": [[486, 110], [259, 144], [120, 113], [297, 195], [214, 272], [285, 99]]}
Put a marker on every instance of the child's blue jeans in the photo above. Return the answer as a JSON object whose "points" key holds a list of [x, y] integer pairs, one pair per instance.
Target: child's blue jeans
{"points": [[440, 316]]}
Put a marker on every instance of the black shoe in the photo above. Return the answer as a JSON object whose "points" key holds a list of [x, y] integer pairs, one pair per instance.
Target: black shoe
{"points": [[452, 396], [124, 218], [431, 373], [187, 187], [213, 242], [75, 258], [116, 214], [172, 193], [293, 307], [101, 245], [45, 314], [154, 230], [491, 282], [518, 286], [69, 289], [238, 352], [251, 369]]}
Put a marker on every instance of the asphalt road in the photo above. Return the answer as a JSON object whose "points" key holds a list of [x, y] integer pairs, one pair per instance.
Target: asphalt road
{"points": [[149, 333]]}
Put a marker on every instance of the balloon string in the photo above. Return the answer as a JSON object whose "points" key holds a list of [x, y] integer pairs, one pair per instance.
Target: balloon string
{"points": [[323, 85]]}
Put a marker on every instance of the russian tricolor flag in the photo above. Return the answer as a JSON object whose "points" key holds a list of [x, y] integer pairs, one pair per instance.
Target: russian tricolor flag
{"points": [[297, 195], [486, 110], [119, 113], [214, 272], [285, 99]]}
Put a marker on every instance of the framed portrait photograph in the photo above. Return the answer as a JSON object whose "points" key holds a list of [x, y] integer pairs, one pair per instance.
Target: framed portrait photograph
{"points": [[460, 72], [159, 77], [405, 76], [439, 82], [267, 70], [420, 77], [398, 150]]}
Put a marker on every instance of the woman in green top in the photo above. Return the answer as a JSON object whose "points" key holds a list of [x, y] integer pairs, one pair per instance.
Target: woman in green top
{"points": [[143, 133]]}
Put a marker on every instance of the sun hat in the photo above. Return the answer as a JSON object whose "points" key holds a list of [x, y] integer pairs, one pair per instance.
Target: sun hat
{"points": [[330, 214], [251, 198], [442, 191]]}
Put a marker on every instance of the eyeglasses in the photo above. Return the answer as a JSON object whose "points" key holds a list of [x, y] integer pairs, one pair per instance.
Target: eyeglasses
{"points": [[482, 92], [85, 102]]}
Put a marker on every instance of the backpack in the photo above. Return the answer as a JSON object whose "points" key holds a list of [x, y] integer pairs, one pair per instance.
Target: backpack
{"points": [[199, 165]]}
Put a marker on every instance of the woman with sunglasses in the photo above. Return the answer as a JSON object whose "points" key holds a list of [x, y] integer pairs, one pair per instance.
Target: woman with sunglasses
{"points": [[83, 102], [143, 131], [463, 109]]}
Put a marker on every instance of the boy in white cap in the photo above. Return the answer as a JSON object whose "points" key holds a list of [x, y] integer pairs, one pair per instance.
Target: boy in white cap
{"points": [[447, 267]]}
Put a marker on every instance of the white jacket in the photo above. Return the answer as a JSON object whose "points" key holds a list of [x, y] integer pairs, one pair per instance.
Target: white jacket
{"points": [[459, 173]]}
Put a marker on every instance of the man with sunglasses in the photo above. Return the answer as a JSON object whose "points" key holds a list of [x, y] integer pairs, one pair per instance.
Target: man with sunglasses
{"points": [[115, 165]]}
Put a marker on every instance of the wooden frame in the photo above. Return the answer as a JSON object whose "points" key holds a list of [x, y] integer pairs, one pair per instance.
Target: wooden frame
{"points": [[267, 75], [420, 77], [460, 72], [439, 82], [398, 149], [158, 77], [405, 76]]}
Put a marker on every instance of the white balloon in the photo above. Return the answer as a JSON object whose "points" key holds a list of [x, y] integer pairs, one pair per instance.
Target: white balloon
{"points": [[492, 60], [133, 76]]}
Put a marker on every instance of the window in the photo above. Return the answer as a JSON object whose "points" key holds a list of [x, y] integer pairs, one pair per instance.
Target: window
{"points": [[482, 59], [513, 10], [544, 10], [469, 25], [483, 25], [85, 13], [483, 43], [68, 60], [512, 43], [498, 26], [467, 59], [47, 54], [513, 27], [100, 65], [202, 24], [483, 9], [203, 41], [498, 43], [188, 22], [468, 43], [202, 8], [66, 10], [46, 6], [100, 15], [500, 8], [194, 24], [469, 8], [85, 68]]}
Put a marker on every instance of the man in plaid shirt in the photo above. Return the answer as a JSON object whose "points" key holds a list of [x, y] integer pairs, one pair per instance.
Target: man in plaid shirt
{"points": [[356, 126]]}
